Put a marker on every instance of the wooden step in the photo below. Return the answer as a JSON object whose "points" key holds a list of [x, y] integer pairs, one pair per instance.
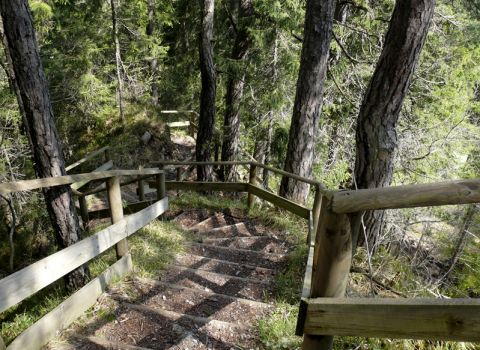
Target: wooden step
{"points": [[236, 230], [191, 217], [223, 266], [216, 221], [211, 273], [108, 344], [256, 243], [240, 256], [218, 283], [179, 317]]}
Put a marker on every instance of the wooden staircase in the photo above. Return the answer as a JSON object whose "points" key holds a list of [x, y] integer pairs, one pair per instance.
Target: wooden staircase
{"points": [[210, 297]]}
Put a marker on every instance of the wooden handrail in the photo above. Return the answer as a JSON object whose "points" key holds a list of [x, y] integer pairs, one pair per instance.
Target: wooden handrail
{"points": [[28, 185], [88, 157], [407, 196]]}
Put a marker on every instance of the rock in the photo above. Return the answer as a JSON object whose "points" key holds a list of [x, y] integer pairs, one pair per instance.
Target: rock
{"points": [[146, 137]]}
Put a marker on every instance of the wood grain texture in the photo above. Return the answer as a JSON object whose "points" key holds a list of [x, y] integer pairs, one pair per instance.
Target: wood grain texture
{"points": [[128, 210], [45, 329], [286, 204], [436, 319], [22, 284], [87, 157], [104, 167], [28, 185], [409, 196]]}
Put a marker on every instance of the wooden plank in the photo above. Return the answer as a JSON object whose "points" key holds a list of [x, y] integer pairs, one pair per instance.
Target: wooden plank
{"points": [[22, 284], [292, 176], [104, 167], [307, 282], [128, 210], [204, 186], [88, 157], [179, 124], [436, 319], [409, 196], [28, 185], [45, 329], [286, 204]]}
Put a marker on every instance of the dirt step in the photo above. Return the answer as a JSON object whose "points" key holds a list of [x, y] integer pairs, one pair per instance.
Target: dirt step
{"points": [[188, 218], [212, 306], [214, 221], [92, 342], [209, 333], [218, 283], [236, 230], [257, 243], [225, 267], [241, 256]]}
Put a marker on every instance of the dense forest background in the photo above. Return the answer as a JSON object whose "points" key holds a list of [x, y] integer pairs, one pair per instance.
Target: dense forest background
{"points": [[155, 62]]}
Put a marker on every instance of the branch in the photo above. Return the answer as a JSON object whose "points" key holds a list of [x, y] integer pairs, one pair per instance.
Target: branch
{"points": [[354, 60], [299, 38]]}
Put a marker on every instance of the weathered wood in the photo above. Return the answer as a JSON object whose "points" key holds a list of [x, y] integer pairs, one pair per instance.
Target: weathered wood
{"points": [[128, 210], [331, 264], [88, 157], [104, 167], [141, 187], [291, 175], [409, 196], [436, 319], [28, 185], [286, 204], [307, 282], [116, 211], [205, 186], [22, 284], [183, 124], [67, 312], [2, 344], [161, 189], [103, 188], [317, 204], [251, 181], [82, 201]]}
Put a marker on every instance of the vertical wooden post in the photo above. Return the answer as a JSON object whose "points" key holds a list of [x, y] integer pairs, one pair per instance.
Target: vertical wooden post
{"points": [[141, 187], [107, 155], [2, 344], [317, 204], [191, 127], [116, 211], [331, 264], [161, 189], [179, 174], [82, 201], [252, 180]]}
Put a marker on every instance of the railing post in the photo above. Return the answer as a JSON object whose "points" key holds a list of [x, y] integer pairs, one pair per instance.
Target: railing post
{"points": [[141, 187], [82, 201], [160, 184], [107, 155], [331, 264], [116, 211], [252, 180], [191, 127], [317, 204]]}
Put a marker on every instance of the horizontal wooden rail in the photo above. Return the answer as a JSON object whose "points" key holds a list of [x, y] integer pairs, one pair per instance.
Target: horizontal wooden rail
{"points": [[68, 311], [86, 158], [281, 202], [291, 175], [22, 284], [28, 185], [435, 319], [127, 210], [178, 164], [104, 167], [178, 124], [103, 188], [409, 196]]}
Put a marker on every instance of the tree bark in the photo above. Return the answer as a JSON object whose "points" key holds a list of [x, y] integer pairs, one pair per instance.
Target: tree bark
{"points": [[154, 62], [376, 136], [46, 149], [308, 99], [235, 83], [118, 60], [206, 123]]}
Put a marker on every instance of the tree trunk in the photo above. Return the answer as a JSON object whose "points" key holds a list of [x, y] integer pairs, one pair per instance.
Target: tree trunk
{"points": [[154, 62], [206, 123], [46, 149], [308, 99], [118, 60], [235, 83], [376, 137]]}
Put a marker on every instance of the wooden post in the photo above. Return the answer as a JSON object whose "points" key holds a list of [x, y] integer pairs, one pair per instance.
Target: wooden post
{"points": [[107, 155], [317, 204], [116, 211], [179, 174], [141, 187], [2, 344], [82, 201], [331, 264], [252, 180], [160, 184], [191, 127]]}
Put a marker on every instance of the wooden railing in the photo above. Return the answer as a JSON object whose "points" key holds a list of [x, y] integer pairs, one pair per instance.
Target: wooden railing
{"points": [[324, 311], [31, 279]]}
